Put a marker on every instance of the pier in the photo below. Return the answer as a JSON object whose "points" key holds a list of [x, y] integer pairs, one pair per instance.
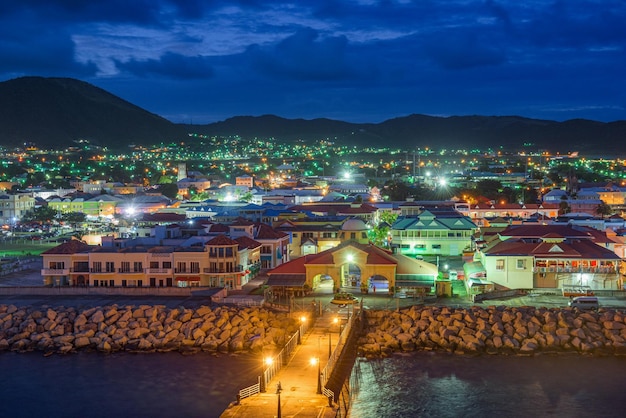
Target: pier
{"points": [[311, 374]]}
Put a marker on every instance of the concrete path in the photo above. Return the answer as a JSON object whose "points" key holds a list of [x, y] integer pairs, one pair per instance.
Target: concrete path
{"points": [[298, 379]]}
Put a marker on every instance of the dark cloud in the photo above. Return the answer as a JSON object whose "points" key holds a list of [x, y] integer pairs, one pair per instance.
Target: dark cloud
{"points": [[346, 59], [171, 65], [303, 56]]}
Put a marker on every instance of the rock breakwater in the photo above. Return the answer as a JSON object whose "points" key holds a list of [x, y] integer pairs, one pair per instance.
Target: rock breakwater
{"points": [[142, 328], [494, 330]]}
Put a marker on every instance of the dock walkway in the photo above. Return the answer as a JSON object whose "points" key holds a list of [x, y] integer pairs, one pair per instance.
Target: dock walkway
{"points": [[298, 379]]}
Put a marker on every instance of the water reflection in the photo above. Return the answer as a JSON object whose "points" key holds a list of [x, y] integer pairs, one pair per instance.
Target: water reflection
{"points": [[426, 384]]}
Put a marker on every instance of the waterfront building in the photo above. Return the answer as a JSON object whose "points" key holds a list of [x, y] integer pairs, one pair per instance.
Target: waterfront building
{"points": [[218, 262], [353, 266], [551, 256]]}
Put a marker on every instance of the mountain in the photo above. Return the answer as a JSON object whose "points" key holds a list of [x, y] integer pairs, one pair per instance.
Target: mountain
{"points": [[456, 132], [56, 112]]}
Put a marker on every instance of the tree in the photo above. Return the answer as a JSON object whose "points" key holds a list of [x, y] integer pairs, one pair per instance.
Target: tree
{"points": [[40, 214], [489, 188], [170, 190], [603, 209]]}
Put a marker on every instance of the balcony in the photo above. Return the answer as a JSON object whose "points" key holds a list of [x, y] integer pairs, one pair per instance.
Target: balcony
{"points": [[55, 272], [97, 271], [222, 271], [585, 269], [159, 271], [125, 271]]}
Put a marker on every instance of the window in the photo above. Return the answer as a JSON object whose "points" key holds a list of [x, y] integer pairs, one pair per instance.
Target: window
{"points": [[521, 264], [110, 267], [138, 266], [57, 265], [154, 264], [500, 264], [181, 267], [195, 267], [167, 264], [97, 267], [436, 246], [125, 267]]}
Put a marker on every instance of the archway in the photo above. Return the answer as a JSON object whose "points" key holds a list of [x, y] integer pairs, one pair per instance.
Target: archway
{"points": [[378, 284], [323, 283], [350, 276]]}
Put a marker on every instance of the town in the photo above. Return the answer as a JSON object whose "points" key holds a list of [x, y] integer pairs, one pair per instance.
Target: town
{"points": [[219, 212]]}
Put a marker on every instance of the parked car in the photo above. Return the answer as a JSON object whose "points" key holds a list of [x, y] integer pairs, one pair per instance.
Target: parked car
{"points": [[584, 303]]}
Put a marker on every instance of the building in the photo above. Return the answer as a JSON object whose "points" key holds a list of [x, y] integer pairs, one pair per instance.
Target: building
{"points": [[218, 262], [436, 232], [352, 265], [551, 256], [14, 206], [245, 180]]}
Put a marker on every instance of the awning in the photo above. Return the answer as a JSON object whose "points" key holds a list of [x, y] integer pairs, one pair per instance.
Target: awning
{"points": [[293, 280], [474, 270], [415, 283], [188, 279]]}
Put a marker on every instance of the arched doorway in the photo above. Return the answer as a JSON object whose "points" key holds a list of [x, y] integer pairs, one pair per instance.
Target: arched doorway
{"points": [[350, 276], [378, 284], [323, 283]]}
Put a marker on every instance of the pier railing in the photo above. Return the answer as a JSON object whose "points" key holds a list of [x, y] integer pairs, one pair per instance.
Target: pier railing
{"points": [[272, 368]]}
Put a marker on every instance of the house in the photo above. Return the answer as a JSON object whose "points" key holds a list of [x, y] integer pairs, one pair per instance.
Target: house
{"points": [[551, 256], [438, 232]]}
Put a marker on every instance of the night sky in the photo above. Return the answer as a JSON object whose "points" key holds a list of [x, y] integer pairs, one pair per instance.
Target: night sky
{"points": [[196, 61]]}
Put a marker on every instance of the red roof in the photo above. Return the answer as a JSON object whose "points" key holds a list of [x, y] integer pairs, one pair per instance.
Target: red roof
{"points": [[222, 240], [217, 228], [247, 242], [70, 247], [265, 231], [375, 255]]}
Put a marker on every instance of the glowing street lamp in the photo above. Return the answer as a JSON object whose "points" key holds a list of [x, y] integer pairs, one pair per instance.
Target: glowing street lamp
{"points": [[315, 360], [267, 361]]}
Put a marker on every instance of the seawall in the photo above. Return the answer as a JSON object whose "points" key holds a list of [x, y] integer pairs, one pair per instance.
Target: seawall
{"points": [[142, 328], [494, 330]]}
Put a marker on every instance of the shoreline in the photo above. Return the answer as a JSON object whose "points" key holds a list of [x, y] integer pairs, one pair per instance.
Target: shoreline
{"points": [[143, 328], [494, 330], [470, 331]]}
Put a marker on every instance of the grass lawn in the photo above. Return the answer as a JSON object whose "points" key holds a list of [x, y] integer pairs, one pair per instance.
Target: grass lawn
{"points": [[24, 247]]}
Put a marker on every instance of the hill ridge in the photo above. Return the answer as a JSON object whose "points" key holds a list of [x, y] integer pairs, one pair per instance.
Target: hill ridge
{"points": [[55, 112]]}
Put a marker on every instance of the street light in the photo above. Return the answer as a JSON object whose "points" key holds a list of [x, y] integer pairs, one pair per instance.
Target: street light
{"points": [[267, 361], [302, 322], [319, 373]]}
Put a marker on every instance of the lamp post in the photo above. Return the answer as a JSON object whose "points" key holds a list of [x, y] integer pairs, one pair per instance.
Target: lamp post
{"points": [[302, 322], [279, 389], [330, 349], [267, 361]]}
